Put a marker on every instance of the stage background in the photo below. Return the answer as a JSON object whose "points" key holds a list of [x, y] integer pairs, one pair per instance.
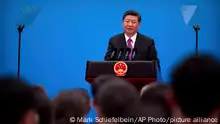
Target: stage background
{"points": [[67, 33], [2, 29]]}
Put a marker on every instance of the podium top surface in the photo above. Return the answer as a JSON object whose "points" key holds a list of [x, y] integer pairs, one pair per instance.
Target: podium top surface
{"points": [[136, 69]]}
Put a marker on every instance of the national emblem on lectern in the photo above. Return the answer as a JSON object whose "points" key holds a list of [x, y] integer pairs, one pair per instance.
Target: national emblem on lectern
{"points": [[120, 68]]}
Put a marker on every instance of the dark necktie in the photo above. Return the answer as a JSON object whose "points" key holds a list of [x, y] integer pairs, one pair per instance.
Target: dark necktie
{"points": [[130, 46]]}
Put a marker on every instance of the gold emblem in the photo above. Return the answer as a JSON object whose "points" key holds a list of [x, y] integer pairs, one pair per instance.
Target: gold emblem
{"points": [[120, 68]]}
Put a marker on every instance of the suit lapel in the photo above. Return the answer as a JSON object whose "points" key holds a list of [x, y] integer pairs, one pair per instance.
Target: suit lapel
{"points": [[123, 41], [137, 45], [137, 42]]}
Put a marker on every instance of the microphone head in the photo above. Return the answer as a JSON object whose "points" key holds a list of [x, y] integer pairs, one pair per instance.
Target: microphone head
{"points": [[196, 27], [134, 52], [113, 52], [128, 51], [121, 51]]}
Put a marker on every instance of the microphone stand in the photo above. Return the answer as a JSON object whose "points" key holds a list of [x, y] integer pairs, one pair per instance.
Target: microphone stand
{"points": [[20, 29], [197, 28]]}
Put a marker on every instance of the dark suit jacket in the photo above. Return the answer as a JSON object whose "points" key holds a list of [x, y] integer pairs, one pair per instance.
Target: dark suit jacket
{"points": [[145, 47]]}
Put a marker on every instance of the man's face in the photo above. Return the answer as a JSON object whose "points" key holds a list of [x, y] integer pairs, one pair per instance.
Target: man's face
{"points": [[131, 24]]}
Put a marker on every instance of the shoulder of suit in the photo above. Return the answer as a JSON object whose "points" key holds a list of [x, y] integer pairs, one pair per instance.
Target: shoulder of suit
{"points": [[145, 37], [117, 36]]}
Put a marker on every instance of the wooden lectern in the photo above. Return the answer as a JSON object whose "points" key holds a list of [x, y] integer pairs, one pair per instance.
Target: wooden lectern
{"points": [[139, 73]]}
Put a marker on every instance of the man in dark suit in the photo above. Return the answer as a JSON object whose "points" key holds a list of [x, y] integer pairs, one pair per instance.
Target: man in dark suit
{"points": [[131, 38]]}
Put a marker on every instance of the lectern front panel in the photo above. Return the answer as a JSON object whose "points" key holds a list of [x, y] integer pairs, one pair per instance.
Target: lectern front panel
{"points": [[136, 69]]}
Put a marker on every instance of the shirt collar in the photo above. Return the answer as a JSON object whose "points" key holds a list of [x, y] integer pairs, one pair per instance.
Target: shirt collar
{"points": [[133, 38]]}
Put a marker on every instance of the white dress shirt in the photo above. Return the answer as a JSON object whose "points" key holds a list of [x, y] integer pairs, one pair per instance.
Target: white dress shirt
{"points": [[133, 38]]}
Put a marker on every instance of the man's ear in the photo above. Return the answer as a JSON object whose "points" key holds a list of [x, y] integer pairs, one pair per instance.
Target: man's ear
{"points": [[139, 25], [30, 117]]}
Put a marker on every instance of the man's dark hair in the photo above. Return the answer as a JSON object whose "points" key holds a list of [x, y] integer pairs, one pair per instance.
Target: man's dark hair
{"points": [[116, 97], [17, 98], [71, 103], [132, 13], [154, 100], [196, 85], [99, 81], [45, 109], [155, 92], [39, 89]]}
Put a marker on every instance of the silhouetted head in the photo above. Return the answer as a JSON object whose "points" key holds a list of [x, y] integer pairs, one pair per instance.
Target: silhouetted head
{"points": [[195, 83], [45, 110], [18, 103], [154, 100], [116, 97], [96, 86], [99, 81], [71, 103]]}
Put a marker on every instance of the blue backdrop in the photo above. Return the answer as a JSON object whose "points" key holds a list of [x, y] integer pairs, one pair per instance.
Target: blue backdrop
{"points": [[67, 33], [2, 39]]}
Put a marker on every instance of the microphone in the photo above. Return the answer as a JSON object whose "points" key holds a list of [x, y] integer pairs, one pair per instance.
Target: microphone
{"points": [[196, 27], [128, 50], [134, 52], [113, 54], [121, 51]]}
